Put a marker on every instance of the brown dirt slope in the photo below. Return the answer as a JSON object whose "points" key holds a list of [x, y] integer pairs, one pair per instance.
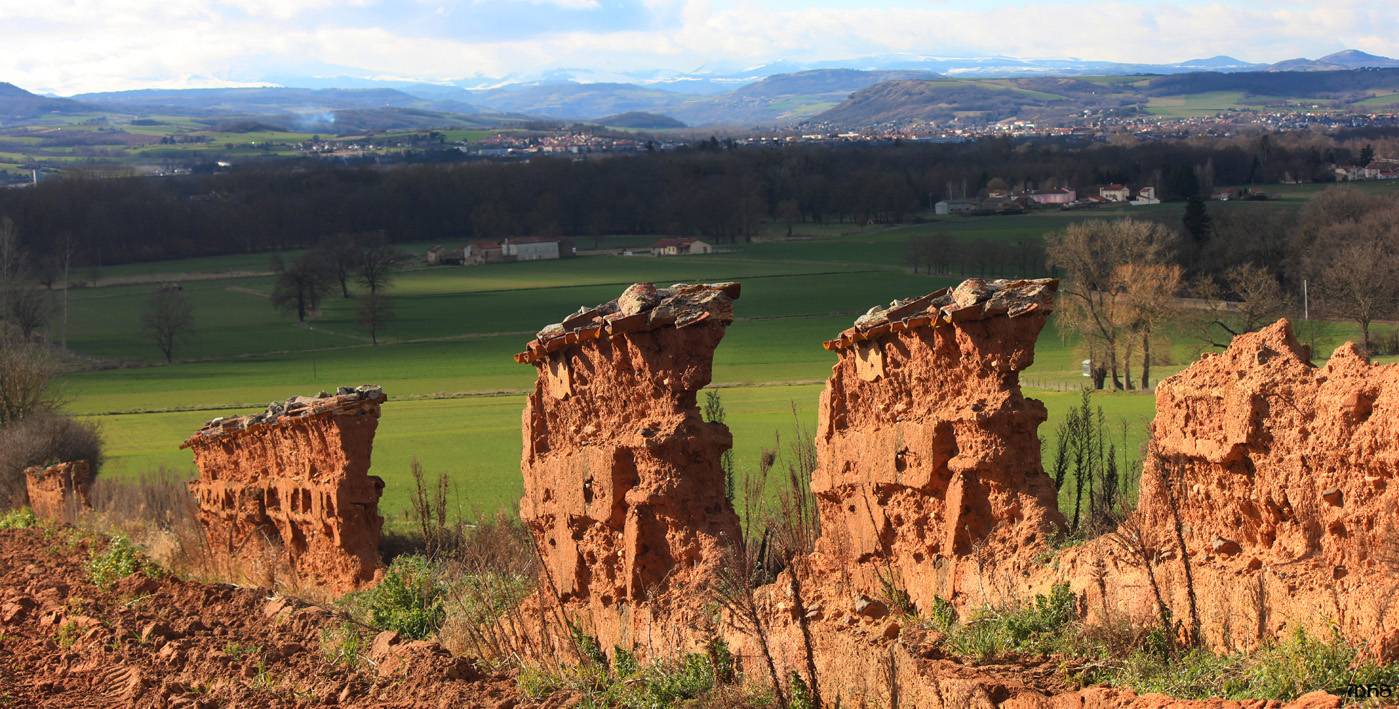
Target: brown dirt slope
{"points": [[64, 642]]}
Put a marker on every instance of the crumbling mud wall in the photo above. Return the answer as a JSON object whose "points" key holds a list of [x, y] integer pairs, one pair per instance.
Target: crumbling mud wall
{"points": [[928, 456], [58, 492], [624, 493], [294, 481], [928, 483], [1282, 478]]}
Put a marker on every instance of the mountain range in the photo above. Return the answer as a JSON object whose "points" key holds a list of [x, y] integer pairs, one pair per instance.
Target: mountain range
{"points": [[842, 93]]}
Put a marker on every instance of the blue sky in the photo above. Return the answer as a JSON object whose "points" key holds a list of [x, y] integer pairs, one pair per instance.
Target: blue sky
{"points": [[68, 46]]}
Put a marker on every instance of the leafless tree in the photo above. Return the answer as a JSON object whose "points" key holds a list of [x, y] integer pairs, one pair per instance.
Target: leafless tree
{"points": [[1089, 255], [300, 285], [1250, 298], [27, 372], [375, 310], [167, 317], [340, 256], [28, 307], [378, 265], [1150, 294], [1359, 273]]}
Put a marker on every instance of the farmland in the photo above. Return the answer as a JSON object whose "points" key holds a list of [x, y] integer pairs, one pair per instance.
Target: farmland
{"points": [[455, 393]]}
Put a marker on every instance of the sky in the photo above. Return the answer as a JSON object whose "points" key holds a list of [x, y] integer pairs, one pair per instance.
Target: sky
{"points": [[70, 46]]}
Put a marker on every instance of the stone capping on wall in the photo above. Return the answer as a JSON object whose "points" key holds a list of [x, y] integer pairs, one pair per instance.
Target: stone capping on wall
{"points": [[641, 307], [973, 299], [345, 400], [288, 488]]}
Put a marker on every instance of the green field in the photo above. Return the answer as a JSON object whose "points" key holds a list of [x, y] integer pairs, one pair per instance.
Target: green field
{"points": [[456, 394]]}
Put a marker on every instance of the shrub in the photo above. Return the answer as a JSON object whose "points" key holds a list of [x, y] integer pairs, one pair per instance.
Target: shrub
{"points": [[22, 518], [1037, 628], [799, 692], [627, 683], [1284, 671], [409, 600], [943, 615], [116, 562], [44, 439]]}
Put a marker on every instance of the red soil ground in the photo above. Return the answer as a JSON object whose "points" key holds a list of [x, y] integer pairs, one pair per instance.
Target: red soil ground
{"points": [[64, 642]]}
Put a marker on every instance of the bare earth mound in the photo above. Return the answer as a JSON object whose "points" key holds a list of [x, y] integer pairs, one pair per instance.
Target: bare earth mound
{"points": [[64, 642]]}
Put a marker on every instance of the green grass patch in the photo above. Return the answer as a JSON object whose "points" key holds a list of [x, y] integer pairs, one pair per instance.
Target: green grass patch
{"points": [[22, 518], [1283, 671], [408, 601], [117, 561]]}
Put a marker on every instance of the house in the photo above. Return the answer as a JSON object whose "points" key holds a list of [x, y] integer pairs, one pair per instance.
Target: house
{"points": [[1063, 195], [536, 248], [478, 252], [1146, 195], [680, 247], [1114, 193], [955, 206], [439, 256]]}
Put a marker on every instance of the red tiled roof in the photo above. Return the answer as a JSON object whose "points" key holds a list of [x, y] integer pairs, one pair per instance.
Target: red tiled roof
{"points": [[663, 243]]}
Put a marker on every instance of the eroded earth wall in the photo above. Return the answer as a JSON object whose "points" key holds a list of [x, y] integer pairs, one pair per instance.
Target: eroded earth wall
{"points": [[624, 492], [1282, 476], [293, 482], [58, 492], [928, 454]]}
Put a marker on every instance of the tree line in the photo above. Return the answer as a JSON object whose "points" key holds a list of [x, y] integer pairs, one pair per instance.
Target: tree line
{"points": [[1219, 273], [722, 192]]}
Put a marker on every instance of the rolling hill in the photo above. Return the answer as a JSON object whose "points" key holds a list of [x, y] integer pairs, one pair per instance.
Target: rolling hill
{"points": [[957, 101], [18, 104], [1339, 61], [639, 120]]}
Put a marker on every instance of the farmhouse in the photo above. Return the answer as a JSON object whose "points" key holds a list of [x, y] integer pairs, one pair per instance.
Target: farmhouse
{"points": [[1114, 193], [478, 252], [680, 247], [536, 248], [1063, 195], [440, 256], [1146, 195], [955, 206]]}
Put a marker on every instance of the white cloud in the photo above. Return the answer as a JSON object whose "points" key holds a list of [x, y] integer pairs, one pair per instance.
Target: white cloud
{"points": [[68, 46]]}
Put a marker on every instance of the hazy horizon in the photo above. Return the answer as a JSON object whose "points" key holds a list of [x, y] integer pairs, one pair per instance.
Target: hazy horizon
{"points": [[77, 46]]}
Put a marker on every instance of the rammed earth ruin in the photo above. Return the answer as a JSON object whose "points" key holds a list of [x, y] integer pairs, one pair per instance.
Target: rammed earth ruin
{"points": [[926, 447], [59, 492], [624, 493], [1277, 474], [929, 479], [291, 485]]}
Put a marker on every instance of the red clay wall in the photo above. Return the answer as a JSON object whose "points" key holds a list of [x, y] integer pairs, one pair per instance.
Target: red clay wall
{"points": [[623, 488], [928, 453], [59, 491], [296, 476], [1284, 475]]}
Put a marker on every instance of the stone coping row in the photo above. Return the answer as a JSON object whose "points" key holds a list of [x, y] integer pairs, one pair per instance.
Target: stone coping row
{"points": [[345, 400], [973, 299], [641, 307]]}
